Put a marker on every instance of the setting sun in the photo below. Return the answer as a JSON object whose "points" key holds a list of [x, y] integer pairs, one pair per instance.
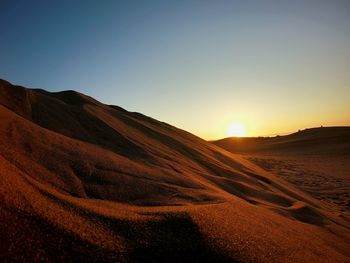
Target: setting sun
{"points": [[236, 130]]}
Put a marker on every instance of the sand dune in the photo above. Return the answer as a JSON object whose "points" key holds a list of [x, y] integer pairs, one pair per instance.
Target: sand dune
{"points": [[315, 160], [81, 180], [322, 140]]}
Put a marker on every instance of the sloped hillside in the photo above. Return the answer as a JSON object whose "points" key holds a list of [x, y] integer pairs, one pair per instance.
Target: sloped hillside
{"points": [[81, 180]]}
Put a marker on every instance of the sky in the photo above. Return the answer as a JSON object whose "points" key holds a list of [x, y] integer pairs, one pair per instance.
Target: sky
{"points": [[266, 67]]}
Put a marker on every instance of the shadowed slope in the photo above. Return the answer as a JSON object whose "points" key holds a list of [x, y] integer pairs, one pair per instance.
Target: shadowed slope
{"points": [[126, 187]]}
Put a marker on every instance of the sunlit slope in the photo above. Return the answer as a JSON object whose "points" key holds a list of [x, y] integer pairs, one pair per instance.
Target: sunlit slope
{"points": [[99, 151], [105, 184]]}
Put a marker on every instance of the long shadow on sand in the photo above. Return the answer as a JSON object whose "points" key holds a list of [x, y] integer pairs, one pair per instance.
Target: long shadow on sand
{"points": [[171, 237], [168, 238]]}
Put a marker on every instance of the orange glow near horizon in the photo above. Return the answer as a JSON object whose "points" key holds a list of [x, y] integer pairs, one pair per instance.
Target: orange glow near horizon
{"points": [[273, 66], [236, 130]]}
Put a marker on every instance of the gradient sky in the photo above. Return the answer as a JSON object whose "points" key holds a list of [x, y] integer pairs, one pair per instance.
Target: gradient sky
{"points": [[275, 66]]}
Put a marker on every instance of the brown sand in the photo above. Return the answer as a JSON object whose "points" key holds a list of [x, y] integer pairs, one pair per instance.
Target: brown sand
{"points": [[315, 160], [84, 181]]}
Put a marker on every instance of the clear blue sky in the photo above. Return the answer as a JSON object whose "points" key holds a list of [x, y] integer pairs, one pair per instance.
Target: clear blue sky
{"points": [[273, 66]]}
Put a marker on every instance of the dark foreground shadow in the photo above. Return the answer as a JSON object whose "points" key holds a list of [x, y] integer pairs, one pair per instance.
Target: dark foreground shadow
{"points": [[173, 237], [164, 238]]}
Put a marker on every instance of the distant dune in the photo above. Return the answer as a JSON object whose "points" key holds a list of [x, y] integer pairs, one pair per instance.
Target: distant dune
{"points": [[320, 140], [82, 181]]}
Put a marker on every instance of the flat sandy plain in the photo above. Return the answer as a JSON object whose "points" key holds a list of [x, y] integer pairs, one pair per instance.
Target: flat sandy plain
{"points": [[326, 178]]}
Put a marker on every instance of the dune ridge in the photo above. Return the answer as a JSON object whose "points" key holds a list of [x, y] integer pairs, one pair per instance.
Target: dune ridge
{"points": [[81, 180], [320, 140]]}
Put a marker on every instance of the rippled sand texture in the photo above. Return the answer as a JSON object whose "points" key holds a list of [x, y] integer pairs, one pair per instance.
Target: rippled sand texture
{"points": [[84, 181]]}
